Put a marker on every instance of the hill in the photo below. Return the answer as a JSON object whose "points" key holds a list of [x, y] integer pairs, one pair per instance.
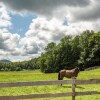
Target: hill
{"points": [[5, 60]]}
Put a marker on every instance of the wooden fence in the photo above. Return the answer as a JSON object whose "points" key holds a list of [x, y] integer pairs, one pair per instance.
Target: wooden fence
{"points": [[73, 81]]}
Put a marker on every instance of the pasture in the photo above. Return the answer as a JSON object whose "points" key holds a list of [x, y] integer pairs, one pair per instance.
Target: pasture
{"points": [[37, 75]]}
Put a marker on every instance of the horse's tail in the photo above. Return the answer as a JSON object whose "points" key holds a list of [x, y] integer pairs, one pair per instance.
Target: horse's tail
{"points": [[59, 75]]}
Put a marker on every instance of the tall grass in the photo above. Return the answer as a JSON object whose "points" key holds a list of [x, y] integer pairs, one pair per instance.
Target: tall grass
{"points": [[37, 75]]}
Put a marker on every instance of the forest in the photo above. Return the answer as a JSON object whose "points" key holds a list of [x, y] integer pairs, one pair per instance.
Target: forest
{"points": [[82, 50]]}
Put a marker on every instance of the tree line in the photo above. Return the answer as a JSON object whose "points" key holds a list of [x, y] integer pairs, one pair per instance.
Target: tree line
{"points": [[81, 50], [19, 66]]}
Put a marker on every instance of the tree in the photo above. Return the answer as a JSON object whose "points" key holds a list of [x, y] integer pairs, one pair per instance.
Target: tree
{"points": [[94, 46], [84, 44], [49, 58], [64, 55], [76, 50]]}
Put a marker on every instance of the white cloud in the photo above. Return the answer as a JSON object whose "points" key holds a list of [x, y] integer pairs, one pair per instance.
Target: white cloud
{"points": [[8, 41], [48, 30], [4, 17]]}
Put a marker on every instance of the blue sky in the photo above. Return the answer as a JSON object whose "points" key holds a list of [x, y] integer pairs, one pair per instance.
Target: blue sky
{"points": [[27, 27], [20, 23]]}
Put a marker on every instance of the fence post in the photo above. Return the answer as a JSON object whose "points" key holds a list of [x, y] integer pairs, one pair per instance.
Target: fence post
{"points": [[73, 88]]}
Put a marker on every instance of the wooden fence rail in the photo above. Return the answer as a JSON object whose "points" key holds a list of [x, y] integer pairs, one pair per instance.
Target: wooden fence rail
{"points": [[73, 81]]}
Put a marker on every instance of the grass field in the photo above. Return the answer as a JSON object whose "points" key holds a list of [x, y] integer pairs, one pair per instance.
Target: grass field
{"points": [[37, 75]]}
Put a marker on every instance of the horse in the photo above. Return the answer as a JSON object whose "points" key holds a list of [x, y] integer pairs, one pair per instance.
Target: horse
{"points": [[68, 73]]}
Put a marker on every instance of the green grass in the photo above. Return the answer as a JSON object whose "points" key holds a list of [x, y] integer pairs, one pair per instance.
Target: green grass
{"points": [[37, 75]]}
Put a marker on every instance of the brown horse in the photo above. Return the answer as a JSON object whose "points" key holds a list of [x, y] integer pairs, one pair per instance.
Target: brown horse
{"points": [[68, 73]]}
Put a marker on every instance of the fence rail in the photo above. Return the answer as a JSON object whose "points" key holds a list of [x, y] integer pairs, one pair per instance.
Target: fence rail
{"points": [[73, 81]]}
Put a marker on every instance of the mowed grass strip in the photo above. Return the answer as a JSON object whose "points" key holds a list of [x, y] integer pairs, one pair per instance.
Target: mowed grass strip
{"points": [[37, 75]]}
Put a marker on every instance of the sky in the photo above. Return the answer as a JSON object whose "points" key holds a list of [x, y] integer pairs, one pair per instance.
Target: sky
{"points": [[27, 26]]}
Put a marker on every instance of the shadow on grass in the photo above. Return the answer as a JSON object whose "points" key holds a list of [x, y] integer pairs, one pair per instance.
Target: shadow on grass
{"points": [[71, 87]]}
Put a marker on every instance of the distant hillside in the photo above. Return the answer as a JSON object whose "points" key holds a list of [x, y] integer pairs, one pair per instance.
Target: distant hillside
{"points": [[4, 60]]}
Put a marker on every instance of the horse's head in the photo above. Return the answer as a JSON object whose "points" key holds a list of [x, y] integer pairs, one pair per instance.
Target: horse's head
{"points": [[77, 70]]}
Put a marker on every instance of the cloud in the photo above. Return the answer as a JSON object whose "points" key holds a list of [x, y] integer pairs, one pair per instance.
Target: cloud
{"points": [[80, 10], [38, 4], [4, 17], [8, 41], [8, 46], [89, 13], [44, 7]]}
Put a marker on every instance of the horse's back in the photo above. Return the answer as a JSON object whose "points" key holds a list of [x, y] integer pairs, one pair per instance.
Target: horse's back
{"points": [[66, 73], [69, 74], [62, 72]]}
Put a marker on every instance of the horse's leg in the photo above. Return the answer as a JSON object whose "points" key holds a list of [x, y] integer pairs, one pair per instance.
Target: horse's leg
{"points": [[75, 79], [59, 76], [61, 79]]}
